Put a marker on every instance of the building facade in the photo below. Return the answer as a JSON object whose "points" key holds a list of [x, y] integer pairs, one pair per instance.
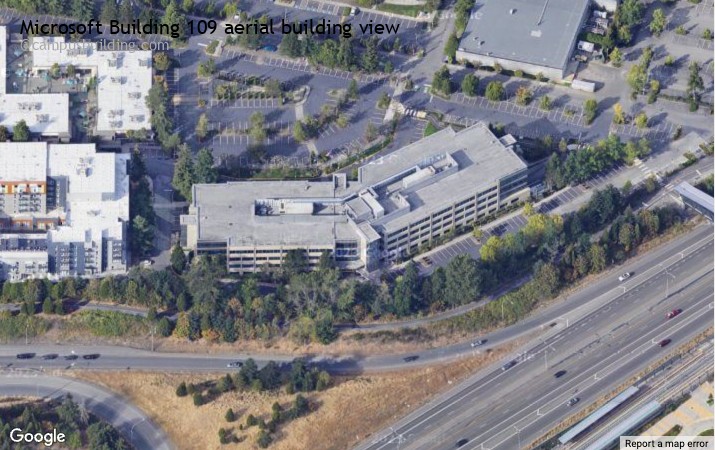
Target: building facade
{"points": [[397, 204]]}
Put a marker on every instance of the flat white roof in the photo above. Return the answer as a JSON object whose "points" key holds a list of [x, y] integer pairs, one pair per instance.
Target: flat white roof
{"points": [[23, 161], [46, 114], [123, 79]]}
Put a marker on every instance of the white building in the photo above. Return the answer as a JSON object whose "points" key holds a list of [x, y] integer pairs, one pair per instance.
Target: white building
{"points": [[64, 210]]}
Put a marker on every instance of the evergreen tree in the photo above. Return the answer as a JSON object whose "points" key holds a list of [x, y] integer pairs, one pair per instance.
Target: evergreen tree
{"points": [[21, 132], [184, 173], [109, 11], [173, 16], [204, 171]]}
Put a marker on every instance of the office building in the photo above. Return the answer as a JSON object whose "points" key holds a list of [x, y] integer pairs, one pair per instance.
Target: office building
{"points": [[398, 203]]}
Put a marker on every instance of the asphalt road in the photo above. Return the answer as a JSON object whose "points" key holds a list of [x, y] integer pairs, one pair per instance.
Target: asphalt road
{"points": [[646, 269], [508, 409], [126, 418]]}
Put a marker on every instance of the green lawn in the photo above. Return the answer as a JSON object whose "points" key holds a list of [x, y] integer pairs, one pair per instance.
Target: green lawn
{"points": [[404, 10], [707, 432], [430, 129]]}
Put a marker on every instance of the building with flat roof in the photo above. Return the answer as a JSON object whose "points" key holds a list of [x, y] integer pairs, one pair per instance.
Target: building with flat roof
{"points": [[696, 199], [64, 210], [399, 202], [123, 78], [45, 114], [535, 36]]}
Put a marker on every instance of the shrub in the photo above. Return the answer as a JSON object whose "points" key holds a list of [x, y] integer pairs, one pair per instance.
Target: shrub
{"points": [[181, 391]]}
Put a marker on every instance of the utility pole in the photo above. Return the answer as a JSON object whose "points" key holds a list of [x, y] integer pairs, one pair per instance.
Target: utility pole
{"points": [[667, 283]]}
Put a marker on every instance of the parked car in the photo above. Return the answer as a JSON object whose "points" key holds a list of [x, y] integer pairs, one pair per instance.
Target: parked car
{"points": [[50, 356], [25, 355], [91, 356], [71, 357], [624, 277]]}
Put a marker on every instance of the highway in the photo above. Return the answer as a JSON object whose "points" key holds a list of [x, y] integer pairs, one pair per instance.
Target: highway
{"points": [[130, 421], [508, 409]]}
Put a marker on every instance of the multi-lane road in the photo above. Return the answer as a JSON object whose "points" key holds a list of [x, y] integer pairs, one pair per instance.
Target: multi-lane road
{"points": [[507, 409]]}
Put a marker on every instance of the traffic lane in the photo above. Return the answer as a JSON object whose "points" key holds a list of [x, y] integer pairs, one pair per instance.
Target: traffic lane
{"points": [[535, 426], [483, 412], [475, 394], [137, 428]]}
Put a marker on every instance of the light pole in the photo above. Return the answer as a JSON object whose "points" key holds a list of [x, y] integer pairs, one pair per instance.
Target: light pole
{"points": [[668, 275], [131, 431], [518, 436]]}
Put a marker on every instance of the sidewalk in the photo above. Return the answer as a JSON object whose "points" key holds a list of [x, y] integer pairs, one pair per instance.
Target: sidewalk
{"points": [[694, 416]]}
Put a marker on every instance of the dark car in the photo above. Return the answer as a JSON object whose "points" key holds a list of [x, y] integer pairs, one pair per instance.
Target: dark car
{"points": [[410, 358], [91, 356], [50, 356], [25, 355], [664, 342], [572, 402], [461, 442], [560, 374], [71, 357], [508, 365]]}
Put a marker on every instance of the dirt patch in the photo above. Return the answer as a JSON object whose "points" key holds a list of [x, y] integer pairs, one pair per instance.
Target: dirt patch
{"points": [[348, 412]]}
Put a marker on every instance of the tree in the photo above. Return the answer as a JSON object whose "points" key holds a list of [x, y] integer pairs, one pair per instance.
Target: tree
{"points": [[450, 48], [184, 173], [109, 12], [353, 89], [590, 107], [637, 78], [616, 57], [469, 85], [383, 101], [657, 22], [101, 435], [174, 17], [142, 235], [230, 415], [126, 12], [495, 91], [370, 59], [21, 132], [523, 95], [641, 120], [545, 103], [630, 12], [707, 34], [300, 134], [264, 439], [198, 399], [83, 10], [442, 82], [181, 390], [202, 126], [204, 170], [47, 306], [462, 281], [206, 68], [257, 130], [619, 117], [164, 327], [178, 259], [4, 133], [653, 91]]}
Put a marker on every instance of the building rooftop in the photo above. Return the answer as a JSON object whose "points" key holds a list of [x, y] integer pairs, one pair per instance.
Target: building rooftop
{"points": [[46, 114], [123, 79], [539, 32], [410, 183]]}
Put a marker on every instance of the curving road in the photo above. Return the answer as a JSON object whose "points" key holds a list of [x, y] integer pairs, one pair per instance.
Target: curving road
{"points": [[130, 421]]}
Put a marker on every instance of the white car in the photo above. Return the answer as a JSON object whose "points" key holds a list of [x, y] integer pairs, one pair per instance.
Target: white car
{"points": [[478, 343], [624, 277], [234, 364]]}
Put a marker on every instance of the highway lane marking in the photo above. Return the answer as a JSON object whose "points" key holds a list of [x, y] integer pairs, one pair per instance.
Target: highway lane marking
{"points": [[625, 357]]}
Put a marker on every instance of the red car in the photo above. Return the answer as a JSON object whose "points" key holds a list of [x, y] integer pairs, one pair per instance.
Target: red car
{"points": [[664, 342], [673, 313]]}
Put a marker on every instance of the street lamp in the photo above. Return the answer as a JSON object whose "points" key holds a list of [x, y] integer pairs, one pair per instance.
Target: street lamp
{"points": [[667, 280], [131, 431], [518, 436]]}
